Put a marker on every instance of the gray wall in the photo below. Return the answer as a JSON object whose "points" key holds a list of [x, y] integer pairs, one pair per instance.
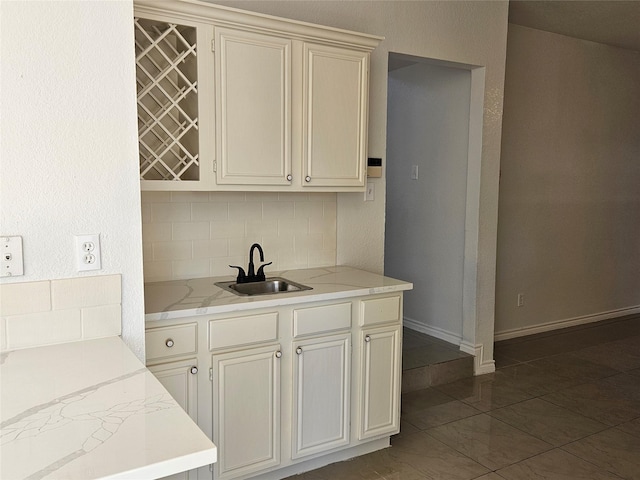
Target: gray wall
{"points": [[428, 126], [569, 207]]}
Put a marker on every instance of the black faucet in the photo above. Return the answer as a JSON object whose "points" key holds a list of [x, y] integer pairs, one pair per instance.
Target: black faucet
{"points": [[251, 276]]}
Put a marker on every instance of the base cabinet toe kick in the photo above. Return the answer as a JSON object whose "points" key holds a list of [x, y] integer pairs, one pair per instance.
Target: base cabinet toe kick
{"points": [[288, 389]]}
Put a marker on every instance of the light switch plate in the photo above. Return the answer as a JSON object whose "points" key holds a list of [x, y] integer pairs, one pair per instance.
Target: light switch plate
{"points": [[12, 262]]}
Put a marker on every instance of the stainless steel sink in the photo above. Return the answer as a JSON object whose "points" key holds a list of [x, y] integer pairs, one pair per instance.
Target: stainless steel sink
{"points": [[268, 287]]}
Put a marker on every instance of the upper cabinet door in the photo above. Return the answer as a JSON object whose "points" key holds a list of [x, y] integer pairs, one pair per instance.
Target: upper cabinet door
{"points": [[335, 89], [253, 88], [175, 108]]}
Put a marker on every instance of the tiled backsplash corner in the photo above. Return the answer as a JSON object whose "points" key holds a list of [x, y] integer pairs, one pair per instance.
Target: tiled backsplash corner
{"points": [[199, 234], [57, 311]]}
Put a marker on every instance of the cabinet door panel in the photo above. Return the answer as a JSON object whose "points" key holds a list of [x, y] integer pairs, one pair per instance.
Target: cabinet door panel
{"points": [[181, 381], [254, 97], [335, 116], [380, 382], [321, 395], [246, 411]]}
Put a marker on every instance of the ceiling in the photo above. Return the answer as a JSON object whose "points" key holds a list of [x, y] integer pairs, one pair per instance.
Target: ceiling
{"points": [[611, 22]]}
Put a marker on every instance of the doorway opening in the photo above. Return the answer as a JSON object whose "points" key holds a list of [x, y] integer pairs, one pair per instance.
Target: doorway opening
{"points": [[434, 144]]}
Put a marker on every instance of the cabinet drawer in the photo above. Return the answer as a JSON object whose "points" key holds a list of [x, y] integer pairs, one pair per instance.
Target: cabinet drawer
{"points": [[380, 310], [171, 341], [243, 330], [325, 318]]}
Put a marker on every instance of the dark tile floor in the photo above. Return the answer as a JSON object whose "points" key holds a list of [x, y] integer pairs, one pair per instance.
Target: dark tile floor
{"points": [[561, 405]]}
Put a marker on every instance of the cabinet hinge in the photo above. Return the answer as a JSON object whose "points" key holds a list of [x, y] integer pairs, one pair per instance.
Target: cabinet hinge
{"points": [[213, 45], [215, 165], [211, 374]]}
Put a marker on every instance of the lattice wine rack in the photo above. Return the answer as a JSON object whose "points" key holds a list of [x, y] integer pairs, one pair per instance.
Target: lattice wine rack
{"points": [[166, 76]]}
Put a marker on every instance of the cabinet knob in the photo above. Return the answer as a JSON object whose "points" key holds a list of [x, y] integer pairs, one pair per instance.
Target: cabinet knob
{"points": [[278, 354], [299, 350], [367, 338], [289, 177], [194, 370], [169, 342], [307, 179]]}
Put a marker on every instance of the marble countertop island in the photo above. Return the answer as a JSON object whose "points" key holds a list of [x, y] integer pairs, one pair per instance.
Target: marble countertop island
{"points": [[88, 410], [184, 298]]}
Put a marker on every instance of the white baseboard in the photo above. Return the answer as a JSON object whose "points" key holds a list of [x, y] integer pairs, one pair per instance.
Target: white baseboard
{"points": [[480, 366], [569, 322], [433, 331]]}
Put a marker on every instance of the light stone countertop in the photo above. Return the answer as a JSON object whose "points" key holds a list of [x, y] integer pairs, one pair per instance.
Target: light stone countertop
{"points": [[90, 409], [184, 298]]}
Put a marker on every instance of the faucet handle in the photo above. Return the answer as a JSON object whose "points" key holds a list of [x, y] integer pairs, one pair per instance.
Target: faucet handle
{"points": [[260, 274], [242, 277]]}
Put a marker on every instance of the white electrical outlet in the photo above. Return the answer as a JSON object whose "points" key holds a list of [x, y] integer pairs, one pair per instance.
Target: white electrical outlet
{"points": [[521, 299], [414, 172], [12, 264], [88, 252]]}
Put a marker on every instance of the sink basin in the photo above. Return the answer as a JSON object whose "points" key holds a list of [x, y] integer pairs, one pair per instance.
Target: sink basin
{"points": [[268, 287]]}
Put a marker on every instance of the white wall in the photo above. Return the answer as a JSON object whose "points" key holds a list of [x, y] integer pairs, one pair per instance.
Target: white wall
{"points": [[569, 235], [428, 126], [69, 142]]}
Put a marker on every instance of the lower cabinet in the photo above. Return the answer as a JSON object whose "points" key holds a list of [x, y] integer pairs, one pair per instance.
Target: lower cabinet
{"points": [[287, 384], [321, 384], [181, 381], [246, 410], [380, 372]]}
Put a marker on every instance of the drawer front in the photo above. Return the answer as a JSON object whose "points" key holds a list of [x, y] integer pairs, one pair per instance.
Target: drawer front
{"points": [[171, 341], [325, 318], [380, 310], [243, 330]]}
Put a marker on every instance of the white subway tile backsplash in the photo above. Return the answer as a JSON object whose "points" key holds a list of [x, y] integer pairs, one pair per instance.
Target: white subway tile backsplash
{"points": [[227, 229], [298, 226], [190, 269], [85, 292], [171, 212], [172, 250], [103, 321], [226, 197], [311, 210], [155, 197], [157, 232], [210, 248], [274, 211], [22, 298], [218, 211], [191, 231], [44, 328], [189, 197], [245, 210], [61, 310], [296, 230]]}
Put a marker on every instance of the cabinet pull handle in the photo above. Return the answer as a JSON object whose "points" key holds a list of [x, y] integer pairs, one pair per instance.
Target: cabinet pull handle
{"points": [[367, 338], [278, 354], [289, 177], [299, 350], [307, 179], [169, 342], [194, 370]]}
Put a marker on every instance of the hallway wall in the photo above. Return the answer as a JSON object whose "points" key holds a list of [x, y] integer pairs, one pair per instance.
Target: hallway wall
{"points": [[568, 229], [428, 126]]}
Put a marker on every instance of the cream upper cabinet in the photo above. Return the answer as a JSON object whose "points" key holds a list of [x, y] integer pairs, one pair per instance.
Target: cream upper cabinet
{"points": [[335, 83], [253, 87], [236, 100]]}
